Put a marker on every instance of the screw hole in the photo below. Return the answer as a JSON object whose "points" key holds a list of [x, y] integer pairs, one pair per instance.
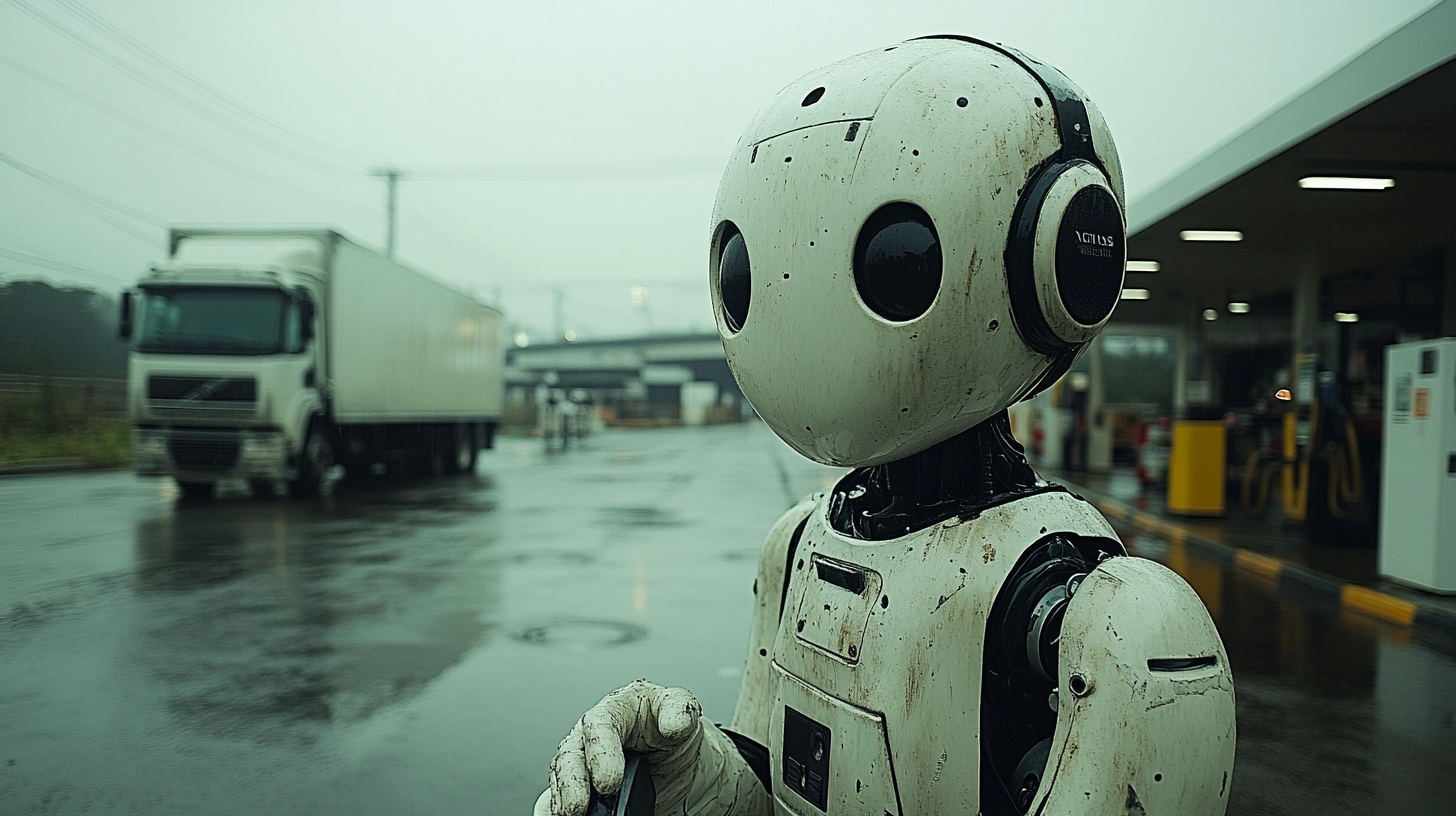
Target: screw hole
{"points": [[801, 564], [788, 159], [963, 102], [801, 626], [763, 652], [1077, 684], [814, 96], [884, 601], [993, 325], [1157, 777], [1037, 100]]}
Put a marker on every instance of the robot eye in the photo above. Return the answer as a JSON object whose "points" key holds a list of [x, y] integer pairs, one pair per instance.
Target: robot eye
{"points": [[734, 279], [897, 262]]}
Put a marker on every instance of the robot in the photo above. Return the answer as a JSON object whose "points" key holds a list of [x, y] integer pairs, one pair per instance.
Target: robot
{"points": [[905, 243]]}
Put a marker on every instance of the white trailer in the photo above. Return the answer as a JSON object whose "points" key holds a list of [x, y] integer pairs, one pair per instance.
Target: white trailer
{"points": [[274, 354]]}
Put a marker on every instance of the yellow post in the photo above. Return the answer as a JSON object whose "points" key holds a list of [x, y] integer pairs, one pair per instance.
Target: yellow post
{"points": [[1196, 468]]}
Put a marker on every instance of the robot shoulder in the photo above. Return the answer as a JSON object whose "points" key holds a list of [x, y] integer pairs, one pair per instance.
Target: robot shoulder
{"points": [[1146, 698]]}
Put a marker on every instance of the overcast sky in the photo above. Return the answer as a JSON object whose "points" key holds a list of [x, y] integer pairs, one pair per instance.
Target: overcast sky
{"points": [[140, 113]]}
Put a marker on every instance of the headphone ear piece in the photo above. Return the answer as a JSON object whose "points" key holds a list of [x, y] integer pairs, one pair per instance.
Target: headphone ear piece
{"points": [[1065, 257]]}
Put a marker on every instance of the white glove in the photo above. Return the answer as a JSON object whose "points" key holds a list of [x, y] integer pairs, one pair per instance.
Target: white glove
{"points": [[695, 768]]}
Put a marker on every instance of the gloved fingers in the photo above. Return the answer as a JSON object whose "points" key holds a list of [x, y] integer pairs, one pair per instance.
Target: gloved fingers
{"points": [[676, 712], [570, 785], [604, 728]]}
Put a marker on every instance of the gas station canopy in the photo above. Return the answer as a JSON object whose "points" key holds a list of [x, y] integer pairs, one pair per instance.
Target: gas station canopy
{"points": [[1386, 118]]}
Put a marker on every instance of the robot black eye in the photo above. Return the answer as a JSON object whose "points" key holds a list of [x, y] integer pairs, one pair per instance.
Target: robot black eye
{"points": [[734, 280], [897, 262]]}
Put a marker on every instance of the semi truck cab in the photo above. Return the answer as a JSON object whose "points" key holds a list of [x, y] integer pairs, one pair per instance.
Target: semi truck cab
{"points": [[227, 369]]}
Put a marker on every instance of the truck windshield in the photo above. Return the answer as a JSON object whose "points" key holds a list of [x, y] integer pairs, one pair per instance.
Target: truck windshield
{"points": [[217, 320]]}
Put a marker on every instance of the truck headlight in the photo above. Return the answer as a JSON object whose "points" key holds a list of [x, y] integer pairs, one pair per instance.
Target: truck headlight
{"points": [[262, 446], [148, 443]]}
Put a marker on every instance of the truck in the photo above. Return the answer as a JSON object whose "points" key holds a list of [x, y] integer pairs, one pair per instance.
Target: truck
{"points": [[277, 354]]}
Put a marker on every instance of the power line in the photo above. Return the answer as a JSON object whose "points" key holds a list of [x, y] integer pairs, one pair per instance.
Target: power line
{"points": [[262, 140], [61, 266], [669, 167], [80, 193], [112, 32], [170, 138], [93, 203]]}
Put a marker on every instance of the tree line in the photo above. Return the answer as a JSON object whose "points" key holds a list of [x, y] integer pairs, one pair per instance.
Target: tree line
{"points": [[59, 332]]}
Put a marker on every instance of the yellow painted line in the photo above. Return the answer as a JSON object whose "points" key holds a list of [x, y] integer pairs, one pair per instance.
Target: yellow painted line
{"points": [[1143, 521], [1378, 604], [1262, 564], [1117, 511]]}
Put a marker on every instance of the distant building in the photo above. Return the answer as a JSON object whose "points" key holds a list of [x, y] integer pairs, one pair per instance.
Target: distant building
{"points": [[654, 380]]}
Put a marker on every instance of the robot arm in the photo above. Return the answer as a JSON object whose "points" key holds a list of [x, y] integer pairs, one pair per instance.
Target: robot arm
{"points": [[751, 715], [1145, 714]]}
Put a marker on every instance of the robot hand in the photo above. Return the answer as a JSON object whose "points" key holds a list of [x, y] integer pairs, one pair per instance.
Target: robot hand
{"points": [[695, 767]]}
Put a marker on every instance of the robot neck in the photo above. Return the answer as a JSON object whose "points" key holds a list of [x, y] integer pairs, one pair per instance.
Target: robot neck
{"points": [[982, 466]]}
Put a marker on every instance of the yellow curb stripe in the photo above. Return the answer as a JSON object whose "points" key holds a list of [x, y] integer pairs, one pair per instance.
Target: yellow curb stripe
{"points": [[1114, 510], [1262, 564], [1378, 604]]}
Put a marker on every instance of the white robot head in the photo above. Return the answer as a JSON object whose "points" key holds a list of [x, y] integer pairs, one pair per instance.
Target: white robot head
{"points": [[909, 240]]}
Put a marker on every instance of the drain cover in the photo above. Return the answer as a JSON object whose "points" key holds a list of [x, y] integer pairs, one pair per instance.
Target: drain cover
{"points": [[580, 633]]}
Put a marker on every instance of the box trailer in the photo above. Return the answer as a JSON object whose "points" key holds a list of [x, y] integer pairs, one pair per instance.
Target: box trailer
{"points": [[275, 354]]}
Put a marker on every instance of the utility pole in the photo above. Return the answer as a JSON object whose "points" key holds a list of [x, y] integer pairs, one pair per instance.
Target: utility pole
{"points": [[391, 177], [558, 316]]}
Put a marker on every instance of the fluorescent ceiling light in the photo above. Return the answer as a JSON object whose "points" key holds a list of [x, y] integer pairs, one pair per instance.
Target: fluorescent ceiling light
{"points": [[1211, 235], [1136, 294], [1210, 314], [1238, 307], [1345, 183], [1347, 317], [1143, 266]]}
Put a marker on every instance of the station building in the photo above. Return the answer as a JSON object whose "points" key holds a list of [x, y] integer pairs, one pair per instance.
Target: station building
{"points": [[1267, 278]]}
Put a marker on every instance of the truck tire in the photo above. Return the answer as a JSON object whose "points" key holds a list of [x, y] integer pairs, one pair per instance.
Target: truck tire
{"points": [[314, 464], [463, 449], [195, 491]]}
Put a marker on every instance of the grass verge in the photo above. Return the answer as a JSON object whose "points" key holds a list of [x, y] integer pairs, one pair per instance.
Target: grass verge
{"points": [[101, 443]]}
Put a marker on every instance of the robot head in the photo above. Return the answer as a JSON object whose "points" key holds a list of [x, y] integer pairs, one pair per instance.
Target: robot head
{"points": [[908, 241]]}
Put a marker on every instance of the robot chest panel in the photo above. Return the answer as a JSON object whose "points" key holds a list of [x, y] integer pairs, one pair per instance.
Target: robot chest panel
{"points": [[879, 650]]}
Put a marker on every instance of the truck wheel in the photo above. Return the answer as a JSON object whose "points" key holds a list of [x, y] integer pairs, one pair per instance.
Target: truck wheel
{"points": [[464, 448], [313, 465], [195, 491]]}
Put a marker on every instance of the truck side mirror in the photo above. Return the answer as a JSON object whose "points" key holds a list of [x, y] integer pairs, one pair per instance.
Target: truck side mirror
{"points": [[305, 319], [123, 326]]}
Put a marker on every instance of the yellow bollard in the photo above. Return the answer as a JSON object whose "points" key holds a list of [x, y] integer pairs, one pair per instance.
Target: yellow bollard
{"points": [[1196, 468]]}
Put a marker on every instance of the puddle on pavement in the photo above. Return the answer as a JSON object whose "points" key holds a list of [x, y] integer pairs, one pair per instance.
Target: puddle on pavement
{"points": [[639, 516], [580, 633]]}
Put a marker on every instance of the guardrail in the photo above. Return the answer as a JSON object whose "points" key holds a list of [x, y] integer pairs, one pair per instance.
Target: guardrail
{"points": [[92, 397]]}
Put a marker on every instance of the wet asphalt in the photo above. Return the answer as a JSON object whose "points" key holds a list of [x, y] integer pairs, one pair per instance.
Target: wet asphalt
{"points": [[419, 645]]}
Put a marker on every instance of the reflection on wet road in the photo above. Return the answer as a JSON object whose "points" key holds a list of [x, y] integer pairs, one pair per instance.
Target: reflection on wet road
{"points": [[415, 646], [420, 646]]}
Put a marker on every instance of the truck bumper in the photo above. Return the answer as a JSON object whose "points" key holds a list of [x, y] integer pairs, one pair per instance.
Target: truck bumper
{"points": [[209, 455]]}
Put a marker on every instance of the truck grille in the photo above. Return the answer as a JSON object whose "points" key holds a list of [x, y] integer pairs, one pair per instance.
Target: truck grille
{"points": [[205, 393], [205, 455]]}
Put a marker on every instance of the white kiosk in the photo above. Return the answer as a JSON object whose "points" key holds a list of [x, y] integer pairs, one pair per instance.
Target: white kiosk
{"points": [[1418, 468]]}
